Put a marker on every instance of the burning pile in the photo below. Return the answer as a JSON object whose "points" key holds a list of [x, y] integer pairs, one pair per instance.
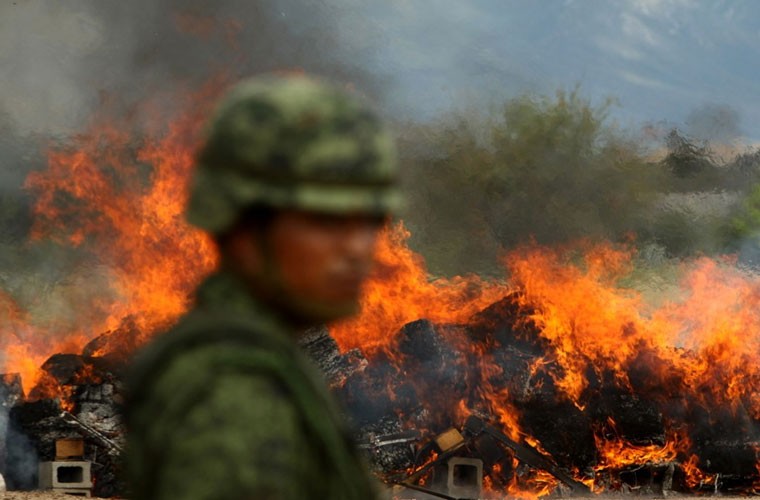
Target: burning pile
{"points": [[559, 373], [579, 369]]}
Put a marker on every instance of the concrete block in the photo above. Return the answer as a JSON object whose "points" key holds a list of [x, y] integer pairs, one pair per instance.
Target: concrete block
{"points": [[465, 477], [65, 474]]}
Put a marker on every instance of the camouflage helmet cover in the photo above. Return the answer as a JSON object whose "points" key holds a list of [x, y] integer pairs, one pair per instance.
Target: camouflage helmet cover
{"points": [[292, 142]]}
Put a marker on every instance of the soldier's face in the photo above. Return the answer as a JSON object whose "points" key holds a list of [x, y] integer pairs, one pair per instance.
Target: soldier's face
{"points": [[317, 263]]}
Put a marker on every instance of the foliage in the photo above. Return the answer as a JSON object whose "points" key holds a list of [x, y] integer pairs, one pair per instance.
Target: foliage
{"points": [[549, 170], [553, 170]]}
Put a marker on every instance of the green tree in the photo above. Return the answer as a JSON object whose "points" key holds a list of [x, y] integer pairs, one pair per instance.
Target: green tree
{"points": [[546, 169], [745, 226]]}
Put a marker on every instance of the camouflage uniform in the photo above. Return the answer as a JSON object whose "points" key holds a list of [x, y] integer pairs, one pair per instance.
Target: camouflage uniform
{"points": [[225, 405]]}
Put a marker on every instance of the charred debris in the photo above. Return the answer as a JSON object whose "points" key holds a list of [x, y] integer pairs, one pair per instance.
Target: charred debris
{"points": [[424, 420]]}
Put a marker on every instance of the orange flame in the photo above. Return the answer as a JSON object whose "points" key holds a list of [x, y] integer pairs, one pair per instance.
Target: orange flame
{"points": [[618, 453], [122, 198], [703, 346], [586, 316], [401, 291]]}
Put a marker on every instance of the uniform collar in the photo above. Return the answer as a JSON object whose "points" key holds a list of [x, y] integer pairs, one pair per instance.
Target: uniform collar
{"points": [[225, 292]]}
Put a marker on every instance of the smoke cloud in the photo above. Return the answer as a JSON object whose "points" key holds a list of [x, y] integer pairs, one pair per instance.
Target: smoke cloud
{"points": [[64, 64], [59, 59]]}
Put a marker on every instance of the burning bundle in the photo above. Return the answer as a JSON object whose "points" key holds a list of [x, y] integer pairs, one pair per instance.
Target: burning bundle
{"points": [[569, 365], [557, 381], [78, 397]]}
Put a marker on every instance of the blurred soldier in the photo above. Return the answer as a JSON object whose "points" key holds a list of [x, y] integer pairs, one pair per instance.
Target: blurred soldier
{"points": [[294, 182]]}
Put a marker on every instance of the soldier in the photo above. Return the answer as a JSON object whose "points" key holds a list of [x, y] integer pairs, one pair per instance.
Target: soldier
{"points": [[294, 182]]}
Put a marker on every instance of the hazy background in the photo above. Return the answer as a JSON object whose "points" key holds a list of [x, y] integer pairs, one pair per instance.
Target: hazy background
{"points": [[661, 59], [518, 121]]}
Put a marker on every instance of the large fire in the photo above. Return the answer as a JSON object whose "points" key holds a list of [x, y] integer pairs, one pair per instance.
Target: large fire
{"points": [[123, 197], [695, 355]]}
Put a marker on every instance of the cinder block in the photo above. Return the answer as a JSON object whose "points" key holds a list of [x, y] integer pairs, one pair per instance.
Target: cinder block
{"points": [[65, 474], [465, 478]]}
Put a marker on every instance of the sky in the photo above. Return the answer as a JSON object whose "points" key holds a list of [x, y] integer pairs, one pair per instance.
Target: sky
{"points": [[662, 61]]}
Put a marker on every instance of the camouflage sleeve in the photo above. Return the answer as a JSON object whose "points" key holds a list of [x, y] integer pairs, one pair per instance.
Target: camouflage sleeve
{"points": [[239, 441]]}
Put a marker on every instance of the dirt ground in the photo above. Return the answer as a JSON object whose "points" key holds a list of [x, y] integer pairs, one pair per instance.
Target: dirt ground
{"points": [[49, 495], [35, 495]]}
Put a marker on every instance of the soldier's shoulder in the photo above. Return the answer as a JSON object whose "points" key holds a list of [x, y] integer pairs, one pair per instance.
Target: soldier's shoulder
{"points": [[195, 352], [209, 382], [193, 406]]}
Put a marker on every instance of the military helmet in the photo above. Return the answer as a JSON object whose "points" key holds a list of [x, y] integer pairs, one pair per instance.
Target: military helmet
{"points": [[292, 142]]}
